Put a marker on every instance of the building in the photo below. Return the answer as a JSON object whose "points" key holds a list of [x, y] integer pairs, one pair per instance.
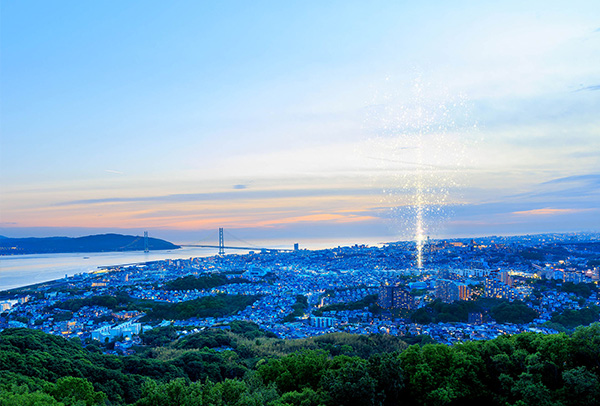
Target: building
{"points": [[402, 299], [385, 298], [254, 272], [495, 288], [505, 278], [322, 321], [125, 315], [447, 291], [395, 297], [464, 292], [475, 318], [449, 275], [127, 329]]}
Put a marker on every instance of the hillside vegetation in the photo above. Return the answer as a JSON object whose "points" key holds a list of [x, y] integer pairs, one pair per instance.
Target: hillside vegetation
{"points": [[525, 369]]}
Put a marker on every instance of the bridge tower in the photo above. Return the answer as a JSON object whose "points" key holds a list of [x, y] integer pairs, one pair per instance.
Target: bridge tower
{"points": [[146, 249], [221, 242]]}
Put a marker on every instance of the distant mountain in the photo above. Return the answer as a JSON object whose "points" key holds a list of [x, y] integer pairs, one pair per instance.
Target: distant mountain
{"points": [[90, 243]]}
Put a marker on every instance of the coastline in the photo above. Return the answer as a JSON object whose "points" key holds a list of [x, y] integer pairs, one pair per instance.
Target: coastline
{"points": [[19, 271]]}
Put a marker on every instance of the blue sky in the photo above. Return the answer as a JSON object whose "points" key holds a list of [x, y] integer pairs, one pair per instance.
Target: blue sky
{"points": [[299, 119]]}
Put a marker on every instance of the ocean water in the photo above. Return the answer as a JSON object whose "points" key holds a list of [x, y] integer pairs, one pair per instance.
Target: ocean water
{"points": [[23, 270]]}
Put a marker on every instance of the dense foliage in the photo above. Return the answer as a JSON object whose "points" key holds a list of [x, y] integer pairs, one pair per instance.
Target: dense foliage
{"points": [[582, 290], [35, 359], [367, 301], [110, 302], [502, 311], [515, 312], [524, 369], [208, 306], [202, 282], [573, 318]]}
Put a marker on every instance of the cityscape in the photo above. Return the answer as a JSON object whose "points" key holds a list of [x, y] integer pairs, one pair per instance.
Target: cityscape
{"points": [[299, 203], [536, 283]]}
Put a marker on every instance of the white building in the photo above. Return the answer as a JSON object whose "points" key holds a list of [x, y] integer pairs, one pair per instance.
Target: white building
{"points": [[127, 329], [322, 321]]}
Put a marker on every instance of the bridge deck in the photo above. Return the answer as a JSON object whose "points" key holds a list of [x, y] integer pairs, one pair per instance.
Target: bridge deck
{"points": [[237, 248]]}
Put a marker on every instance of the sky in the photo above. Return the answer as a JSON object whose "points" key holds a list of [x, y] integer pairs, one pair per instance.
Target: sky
{"points": [[298, 120]]}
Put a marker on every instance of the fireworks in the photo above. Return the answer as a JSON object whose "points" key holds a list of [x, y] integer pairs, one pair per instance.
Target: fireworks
{"points": [[419, 145]]}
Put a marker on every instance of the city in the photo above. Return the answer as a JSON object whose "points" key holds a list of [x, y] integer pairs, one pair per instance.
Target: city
{"points": [[489, 286], [407, 199]]}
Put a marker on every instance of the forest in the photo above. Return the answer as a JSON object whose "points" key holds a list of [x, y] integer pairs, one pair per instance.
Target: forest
{"points": [[207, 306], [243, 365], [202, 282]]}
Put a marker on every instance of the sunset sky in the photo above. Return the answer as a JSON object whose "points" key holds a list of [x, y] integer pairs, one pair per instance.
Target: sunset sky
{"points": [[299, 119]]}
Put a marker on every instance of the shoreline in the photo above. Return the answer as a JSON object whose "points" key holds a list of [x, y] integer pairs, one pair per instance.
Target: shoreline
{"points": [[5, 254], [21, 271], [32, 286]]}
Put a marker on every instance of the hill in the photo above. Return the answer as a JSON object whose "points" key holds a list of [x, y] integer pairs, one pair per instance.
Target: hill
{"points": [[524, 369], [91, 243]]}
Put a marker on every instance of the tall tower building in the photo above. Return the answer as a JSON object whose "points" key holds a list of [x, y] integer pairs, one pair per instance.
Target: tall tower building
{"points": [[447, 291], [395, 297], [464, 292], [386, 294]]}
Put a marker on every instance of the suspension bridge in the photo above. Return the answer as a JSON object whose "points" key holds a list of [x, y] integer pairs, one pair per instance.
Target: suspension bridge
{"points": [[222, 247]]}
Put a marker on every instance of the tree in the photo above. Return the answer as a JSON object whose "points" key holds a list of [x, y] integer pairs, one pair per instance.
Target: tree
{"points": [[351, 384], [386, 369], [581, 387], [71, 391], [517, 313], [297, 371], [21, 396]]}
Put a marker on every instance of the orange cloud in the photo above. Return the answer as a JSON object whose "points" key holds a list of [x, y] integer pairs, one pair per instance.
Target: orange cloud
{"points": [[545, 212]]}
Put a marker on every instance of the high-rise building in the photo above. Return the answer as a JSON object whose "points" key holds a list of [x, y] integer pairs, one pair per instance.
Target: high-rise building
{"points": [[402, 299], [395, 297], [386, 294], [495, 288], [505, 278], [447, 291], [464, 292]]}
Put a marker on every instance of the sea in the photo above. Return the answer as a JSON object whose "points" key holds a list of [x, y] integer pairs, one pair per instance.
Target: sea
{"points": [[23, 270]]}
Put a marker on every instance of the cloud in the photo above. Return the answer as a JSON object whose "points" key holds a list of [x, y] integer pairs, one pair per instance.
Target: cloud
{"points": [[113, 171], [238, 187], [590, 179], [317, 218], [576, 188], [247, 194], [546, 212], [589, 88]]}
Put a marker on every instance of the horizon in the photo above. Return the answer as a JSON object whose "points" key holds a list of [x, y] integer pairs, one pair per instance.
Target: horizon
{"points": [[333, 241], [291, 121]]}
